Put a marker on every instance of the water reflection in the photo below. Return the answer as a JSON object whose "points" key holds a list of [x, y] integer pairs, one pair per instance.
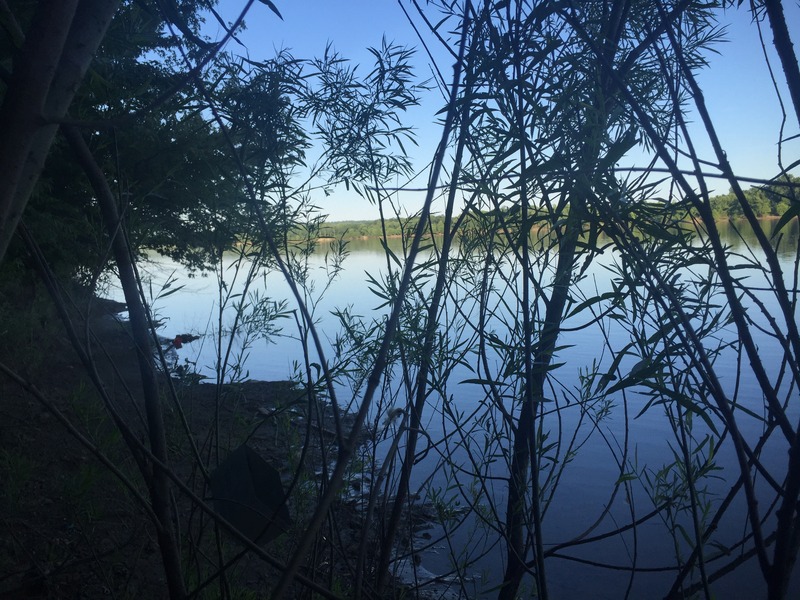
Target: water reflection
{"points": [[587, 484]]}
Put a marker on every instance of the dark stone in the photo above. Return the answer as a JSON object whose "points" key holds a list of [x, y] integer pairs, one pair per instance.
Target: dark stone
{"points": [[248, 493]]}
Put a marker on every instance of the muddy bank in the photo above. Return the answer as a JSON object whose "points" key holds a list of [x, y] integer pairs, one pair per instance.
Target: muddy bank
{"points": [[72, 529], [69, 528]]}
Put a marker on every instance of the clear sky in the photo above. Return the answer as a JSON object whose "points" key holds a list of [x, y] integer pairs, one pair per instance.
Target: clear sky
{"points": [[736, 85], [741, 97]]}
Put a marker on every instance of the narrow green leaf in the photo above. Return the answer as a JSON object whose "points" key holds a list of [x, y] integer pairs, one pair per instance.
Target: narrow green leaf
{"points": [[790, 214], [591, 301], [272, 7]]}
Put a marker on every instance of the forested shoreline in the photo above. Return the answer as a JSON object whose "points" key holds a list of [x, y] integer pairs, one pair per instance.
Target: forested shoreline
{"points": [[767, 201]]}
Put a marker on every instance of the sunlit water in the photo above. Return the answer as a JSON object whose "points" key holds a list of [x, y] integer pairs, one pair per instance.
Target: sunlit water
{"points": [[583, 491]]}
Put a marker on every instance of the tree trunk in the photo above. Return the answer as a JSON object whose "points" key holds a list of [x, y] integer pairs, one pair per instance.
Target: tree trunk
{"points": [[524, 436], [158, 481], [48, 69]]}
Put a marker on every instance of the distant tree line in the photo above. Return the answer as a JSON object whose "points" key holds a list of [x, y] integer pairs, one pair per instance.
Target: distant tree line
{"points": [[398, 227], [766, 201]]}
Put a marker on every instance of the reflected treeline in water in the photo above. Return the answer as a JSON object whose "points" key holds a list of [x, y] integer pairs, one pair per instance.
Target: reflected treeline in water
{"points": [[589, 390], [738, 234]]}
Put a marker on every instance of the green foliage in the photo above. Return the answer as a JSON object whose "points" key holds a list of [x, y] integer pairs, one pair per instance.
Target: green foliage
{"points": [[375, 229], [358, 119], [772, 200], [179, 186]]}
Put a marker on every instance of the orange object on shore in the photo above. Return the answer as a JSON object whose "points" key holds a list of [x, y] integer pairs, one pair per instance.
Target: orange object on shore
{"points": [[184, 338]]}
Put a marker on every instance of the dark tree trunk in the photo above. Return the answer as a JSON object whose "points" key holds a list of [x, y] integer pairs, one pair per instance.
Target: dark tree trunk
{"points": [[158, 480], [47, 71]]}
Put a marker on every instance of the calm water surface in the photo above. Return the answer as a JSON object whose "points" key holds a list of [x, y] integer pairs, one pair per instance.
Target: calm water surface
{"points": [[587, 484]]}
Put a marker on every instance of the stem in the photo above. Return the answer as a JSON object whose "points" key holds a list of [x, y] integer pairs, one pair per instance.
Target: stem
{"points": [[159, 483], [785, 50], [346, 450], [56, 54], [432, 326]]}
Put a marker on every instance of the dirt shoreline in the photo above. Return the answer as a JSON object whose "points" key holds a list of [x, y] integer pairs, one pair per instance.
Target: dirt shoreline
{"points": [[69, 528]]}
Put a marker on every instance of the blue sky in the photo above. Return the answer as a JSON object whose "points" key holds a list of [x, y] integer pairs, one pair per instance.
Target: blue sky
{"points": [[741, 98], [736, 85]]}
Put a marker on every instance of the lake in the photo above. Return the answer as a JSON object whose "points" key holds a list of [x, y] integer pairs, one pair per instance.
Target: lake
{"points": [[584, 489]]}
